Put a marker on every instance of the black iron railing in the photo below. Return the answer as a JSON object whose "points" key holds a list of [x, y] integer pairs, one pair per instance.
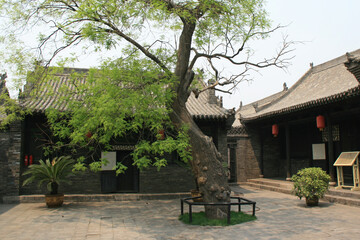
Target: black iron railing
{"points": [[241, 201]]}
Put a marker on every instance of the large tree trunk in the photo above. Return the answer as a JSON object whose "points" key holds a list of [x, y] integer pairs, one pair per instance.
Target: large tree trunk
{"points": [[207, 162], [206, 165]]}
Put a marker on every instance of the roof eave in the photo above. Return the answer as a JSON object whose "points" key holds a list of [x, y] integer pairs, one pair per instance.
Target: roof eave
{"points": [[322, 101]]}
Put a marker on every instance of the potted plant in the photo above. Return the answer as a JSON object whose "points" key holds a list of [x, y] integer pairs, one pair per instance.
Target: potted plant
{"points": [[311, 183], [53, 174]]}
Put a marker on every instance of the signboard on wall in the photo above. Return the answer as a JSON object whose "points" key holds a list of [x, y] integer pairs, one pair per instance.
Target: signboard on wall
{"points": [[318, 151], [111, 158]]}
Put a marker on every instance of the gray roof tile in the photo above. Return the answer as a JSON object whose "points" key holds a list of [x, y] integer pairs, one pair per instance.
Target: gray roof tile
{"points": [[327, 82], [45, 98]]}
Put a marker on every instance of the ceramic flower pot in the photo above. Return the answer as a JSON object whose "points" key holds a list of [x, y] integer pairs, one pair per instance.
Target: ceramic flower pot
{"points": [[54, 200], [314, 201]]}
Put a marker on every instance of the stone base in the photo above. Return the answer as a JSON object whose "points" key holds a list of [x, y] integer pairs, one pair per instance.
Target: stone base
{"points": [[332, 184]]}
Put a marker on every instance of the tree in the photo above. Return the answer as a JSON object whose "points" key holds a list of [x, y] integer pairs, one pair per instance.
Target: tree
{"points": [[205, 31]]}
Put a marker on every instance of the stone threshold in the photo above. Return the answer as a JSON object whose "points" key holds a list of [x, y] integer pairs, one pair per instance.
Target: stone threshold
{"points": [[97, 197]]}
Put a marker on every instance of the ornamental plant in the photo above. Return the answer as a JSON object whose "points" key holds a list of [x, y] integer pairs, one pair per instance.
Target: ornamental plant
{"points": [[310, 183], [53, 173]]}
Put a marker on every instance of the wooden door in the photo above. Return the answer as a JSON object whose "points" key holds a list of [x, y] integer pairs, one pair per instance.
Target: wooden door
{"points": [[124, 182], [128, 181]]}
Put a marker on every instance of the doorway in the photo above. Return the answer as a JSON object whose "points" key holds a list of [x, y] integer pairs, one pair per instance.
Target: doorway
{"points": [[127, 182]]}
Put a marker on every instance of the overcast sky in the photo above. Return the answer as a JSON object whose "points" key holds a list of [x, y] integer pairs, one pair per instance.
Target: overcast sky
{"points": [[327, 29]]}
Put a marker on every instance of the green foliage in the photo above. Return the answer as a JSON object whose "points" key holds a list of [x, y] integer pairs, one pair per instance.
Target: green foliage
{"points": [[147, 154], [310, 183], [10, 111], [49, 172], [201, 219], [121, 99], [132, 94], [110, 24]]}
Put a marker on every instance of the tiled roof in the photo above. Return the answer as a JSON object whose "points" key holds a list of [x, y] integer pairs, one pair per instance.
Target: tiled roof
{"points": [[323, 84], [237, 131], [199, 108], [253, 107], [353, 65]]}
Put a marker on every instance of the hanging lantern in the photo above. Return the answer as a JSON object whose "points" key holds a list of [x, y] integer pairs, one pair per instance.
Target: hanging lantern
{"points": [[275, 130], [26, 162], [162, 134], [320, 122], [89, 134], [30, 160]]}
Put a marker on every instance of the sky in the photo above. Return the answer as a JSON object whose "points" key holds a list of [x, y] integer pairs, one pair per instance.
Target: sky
{"points": [[326, 29]]}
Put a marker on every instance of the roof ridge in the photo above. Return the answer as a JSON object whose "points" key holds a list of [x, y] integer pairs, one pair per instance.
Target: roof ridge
{"points": [[263, 100]]}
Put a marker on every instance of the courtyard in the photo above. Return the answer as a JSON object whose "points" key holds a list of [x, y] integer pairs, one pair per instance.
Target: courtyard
{"points": [[280, 216]]}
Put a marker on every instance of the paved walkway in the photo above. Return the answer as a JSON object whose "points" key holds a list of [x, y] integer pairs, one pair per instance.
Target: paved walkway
{"points": [[280, 216]]}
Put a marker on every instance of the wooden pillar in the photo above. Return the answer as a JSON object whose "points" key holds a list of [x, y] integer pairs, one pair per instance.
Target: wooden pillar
{"points": [[261, 154], [288, 160], [330, 149]]}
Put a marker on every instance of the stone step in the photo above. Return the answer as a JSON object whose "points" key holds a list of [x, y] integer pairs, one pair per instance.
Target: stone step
{"points": [[269, 187], [342, 200], [344, 193], [271, 182], [343, 196], [97, 197]]}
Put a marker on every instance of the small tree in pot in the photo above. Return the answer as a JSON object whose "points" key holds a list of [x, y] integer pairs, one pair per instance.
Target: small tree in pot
{"points": [[311, 183], [53, 174]]}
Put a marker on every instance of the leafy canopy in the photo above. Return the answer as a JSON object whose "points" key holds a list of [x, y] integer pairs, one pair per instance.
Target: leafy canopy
{"points": [[159, 43], [123, 102]]}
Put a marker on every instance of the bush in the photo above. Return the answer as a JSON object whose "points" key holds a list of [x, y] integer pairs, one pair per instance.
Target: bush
{"points": [[50, 172], [310, 183]]}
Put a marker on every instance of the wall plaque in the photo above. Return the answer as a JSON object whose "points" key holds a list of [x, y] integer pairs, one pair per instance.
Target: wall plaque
{"points": [[318, 151], [111, 158]]}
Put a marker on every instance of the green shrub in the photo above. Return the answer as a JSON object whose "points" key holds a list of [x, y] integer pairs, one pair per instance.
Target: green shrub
{"points": [[310, 183], [50, 172]]}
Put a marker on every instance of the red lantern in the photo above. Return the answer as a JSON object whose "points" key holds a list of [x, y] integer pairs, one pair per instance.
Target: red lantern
{"points": [[30, 160], [320, 122], [26, 162], [275, 130], [162, 134], [89, 134]]}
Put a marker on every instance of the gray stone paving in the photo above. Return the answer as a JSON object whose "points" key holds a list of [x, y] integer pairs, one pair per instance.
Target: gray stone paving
{"points": [[280, 216]]}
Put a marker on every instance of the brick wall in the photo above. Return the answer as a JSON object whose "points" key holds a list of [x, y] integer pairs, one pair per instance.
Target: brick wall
{"points": [[222, 143], [248, 158], [248, 155], [83, 183], [10, 152], [172, 178]]}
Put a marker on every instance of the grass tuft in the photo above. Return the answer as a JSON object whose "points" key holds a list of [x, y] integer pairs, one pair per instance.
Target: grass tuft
{"points": [[201, 219]]}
